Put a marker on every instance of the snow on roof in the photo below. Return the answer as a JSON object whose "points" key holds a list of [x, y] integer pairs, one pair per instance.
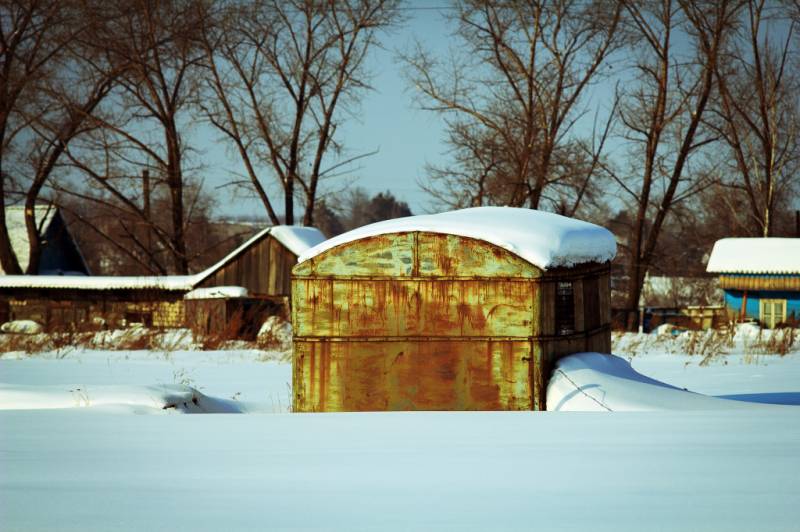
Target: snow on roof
{"points": [[75, 282], [217, 292], [18, 232], [755, 255], [542, 238], [295, 238]]}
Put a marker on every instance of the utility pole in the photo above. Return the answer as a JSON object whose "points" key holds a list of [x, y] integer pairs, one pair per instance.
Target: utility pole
{"points": [[148, 227]]}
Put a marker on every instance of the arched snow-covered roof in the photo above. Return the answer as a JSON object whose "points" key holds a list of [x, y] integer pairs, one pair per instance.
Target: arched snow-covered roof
{"points": [[544, 239]]}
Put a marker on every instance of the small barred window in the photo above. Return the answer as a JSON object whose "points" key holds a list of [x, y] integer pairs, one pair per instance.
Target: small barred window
{"points": [[565, 308]]}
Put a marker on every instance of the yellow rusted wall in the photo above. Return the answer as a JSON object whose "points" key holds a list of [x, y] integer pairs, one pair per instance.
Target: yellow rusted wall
{"points": [[412, 375], [423, 321]]}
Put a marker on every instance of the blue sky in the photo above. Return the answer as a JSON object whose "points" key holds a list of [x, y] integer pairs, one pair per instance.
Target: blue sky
{"points": [[386, 120]]}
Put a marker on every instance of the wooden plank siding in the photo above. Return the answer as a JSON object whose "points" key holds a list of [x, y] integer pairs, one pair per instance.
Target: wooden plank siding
{"points": [[760, 282], [87, 310], [264, 268], [430, 321]]}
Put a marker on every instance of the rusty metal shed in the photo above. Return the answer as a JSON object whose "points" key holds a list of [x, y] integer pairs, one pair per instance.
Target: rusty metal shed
{"points": [[465, 310]]}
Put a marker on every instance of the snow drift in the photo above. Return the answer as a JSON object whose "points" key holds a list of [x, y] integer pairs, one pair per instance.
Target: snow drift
{"points": [[597, 382], [132, 399]]}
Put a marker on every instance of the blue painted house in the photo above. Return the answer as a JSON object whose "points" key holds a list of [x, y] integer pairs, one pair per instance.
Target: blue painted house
{"points": [[760, 278]]}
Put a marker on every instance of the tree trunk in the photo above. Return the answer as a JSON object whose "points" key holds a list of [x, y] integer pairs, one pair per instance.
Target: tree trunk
{"points": [[175, 181], [7, 257]]}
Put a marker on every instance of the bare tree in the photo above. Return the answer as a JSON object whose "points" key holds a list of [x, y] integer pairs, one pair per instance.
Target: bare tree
{"points": [[663, 115], [758, 114], [49, 88], [139, 144], [511, 96], [282, 72]]}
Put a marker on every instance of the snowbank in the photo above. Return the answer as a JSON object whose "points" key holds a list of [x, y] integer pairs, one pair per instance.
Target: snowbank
{"points": [[133, 399], [597, 382], [542, 238], [276, 331], [21, 327], [755, 255]]}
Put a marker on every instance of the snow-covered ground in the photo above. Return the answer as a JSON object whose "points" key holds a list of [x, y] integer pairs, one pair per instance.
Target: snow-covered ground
{"points": [[74, 457]]}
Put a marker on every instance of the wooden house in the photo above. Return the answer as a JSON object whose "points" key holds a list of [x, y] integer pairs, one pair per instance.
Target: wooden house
{"points": [[261, 267], [466, 310], [60, 253], [685, 302], [760, 278]]}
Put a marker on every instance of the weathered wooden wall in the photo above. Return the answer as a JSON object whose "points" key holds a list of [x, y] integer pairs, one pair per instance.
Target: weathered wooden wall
{"points": [[423, 321], [70, 309], [239, 318], [264, 268]]}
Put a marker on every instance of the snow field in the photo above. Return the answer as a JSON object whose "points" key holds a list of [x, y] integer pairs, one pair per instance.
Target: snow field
{"points": [[689, 462], [83, 471]]}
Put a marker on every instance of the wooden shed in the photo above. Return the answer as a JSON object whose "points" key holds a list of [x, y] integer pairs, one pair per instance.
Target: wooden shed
{"points": [[262, 266], [465, 310], [760, 278]]}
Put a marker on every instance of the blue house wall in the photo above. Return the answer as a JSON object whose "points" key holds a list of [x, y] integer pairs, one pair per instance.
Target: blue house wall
{"points": [[733, 300]]}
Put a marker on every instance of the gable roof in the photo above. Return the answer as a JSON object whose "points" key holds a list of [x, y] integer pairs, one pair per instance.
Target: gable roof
{"points": [[18, 232], [542, 238], [755, 255], [46, 215], [297, 239]]}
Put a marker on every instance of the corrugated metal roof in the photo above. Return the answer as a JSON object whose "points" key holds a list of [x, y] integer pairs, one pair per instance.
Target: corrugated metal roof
{"points": [[755, 255]]}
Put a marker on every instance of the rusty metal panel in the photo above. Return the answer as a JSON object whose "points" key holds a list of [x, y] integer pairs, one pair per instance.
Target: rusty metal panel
{"points": [[441, 375], [313, 312], [389, 255], [547, 308], [441, 255], [348, 308], [476, 308]]}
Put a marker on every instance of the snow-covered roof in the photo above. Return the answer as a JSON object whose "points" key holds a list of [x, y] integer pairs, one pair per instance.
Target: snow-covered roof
{"points": [[76, 282], [544, 239], [18, 233], [755, 255], [217, 292], [296, 239]]}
